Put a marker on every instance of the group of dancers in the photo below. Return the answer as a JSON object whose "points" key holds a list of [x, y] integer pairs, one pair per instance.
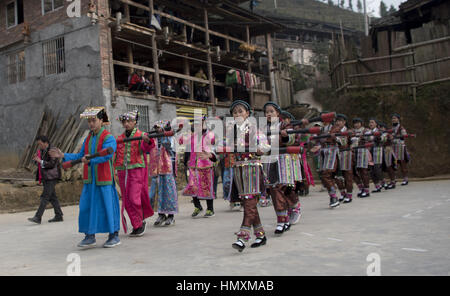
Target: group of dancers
{"points": [[277, 169]]}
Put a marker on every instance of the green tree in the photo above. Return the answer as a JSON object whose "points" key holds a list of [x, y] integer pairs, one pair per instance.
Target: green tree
{"points": [[383, 9], [330, 2], [350, 5]]}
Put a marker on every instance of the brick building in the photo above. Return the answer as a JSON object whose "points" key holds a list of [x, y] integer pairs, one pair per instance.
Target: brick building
{"points": [[50, 58]]}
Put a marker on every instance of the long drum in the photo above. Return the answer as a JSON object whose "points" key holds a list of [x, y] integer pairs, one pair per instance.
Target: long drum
{"points": [[248, 177]]}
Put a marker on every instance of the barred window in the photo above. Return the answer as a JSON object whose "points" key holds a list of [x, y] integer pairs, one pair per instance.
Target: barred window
{"points": [[16, 67], [50, 5], [54, 57], [143, 121]]}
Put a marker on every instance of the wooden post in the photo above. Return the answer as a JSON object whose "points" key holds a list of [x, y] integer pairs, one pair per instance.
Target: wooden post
{"points": [[249, 65], [271, 73], [130, 57], [227, 42], [413, 73], [208, 56], [155, 62]]}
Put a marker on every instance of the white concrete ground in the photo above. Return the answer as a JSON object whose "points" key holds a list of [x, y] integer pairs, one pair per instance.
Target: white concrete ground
{"points": [[407, 229]]}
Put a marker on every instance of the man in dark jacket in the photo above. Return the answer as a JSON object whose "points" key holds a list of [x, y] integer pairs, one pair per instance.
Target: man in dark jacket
{"points": [[49, 173]]}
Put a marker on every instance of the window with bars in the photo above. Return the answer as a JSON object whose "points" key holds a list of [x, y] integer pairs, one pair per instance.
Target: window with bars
{"points": [[50, 5], [143, 120], [54, 57], [16, 67]]}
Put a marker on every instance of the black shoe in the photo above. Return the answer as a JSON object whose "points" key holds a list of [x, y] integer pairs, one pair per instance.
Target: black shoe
{"points": [[56, 219], [35, 220], [404, 183], [347, 200], [170, 220], [287, 226], [376, 190], [139, 231], [391, 186], [160, 220], [280, 230], [341, 199], [365, 194], [239, 245], [260, 241], [360, 193], [334, 202]]}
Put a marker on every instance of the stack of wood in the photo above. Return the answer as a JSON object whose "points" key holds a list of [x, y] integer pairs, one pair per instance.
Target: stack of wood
{"points": [[66, 137]]}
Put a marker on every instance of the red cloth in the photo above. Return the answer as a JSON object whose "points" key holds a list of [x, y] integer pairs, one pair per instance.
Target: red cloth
{"points": [[134, 79]]}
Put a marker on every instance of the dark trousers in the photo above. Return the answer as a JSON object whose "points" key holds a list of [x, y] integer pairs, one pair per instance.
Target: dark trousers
{"points": [[49, 195], [209, 204], [376, 173]]}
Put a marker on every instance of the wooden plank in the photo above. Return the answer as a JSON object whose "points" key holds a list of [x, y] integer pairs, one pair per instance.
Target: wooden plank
{"points": [[419, 44], [382, 72]]}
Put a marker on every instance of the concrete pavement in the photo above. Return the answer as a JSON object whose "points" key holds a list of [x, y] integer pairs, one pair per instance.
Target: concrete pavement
{"points": [[399, 232]]}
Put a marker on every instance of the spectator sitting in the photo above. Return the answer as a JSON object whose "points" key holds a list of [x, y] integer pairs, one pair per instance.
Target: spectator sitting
{"points": [[176, 88], [150, 84], [163, 86], [170, 90], [185, 90], [137, 81]]}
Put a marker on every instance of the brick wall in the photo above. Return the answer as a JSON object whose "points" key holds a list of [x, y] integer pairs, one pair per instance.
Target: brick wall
{"points": [[33, 16]]}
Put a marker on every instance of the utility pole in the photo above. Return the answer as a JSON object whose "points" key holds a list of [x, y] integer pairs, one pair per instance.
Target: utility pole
{"points": [[366, 20]]}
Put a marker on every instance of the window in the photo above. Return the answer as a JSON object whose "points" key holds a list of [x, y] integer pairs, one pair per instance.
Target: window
{"points": [[50, 5], [54, 56], [143, 120], [14, 13], [16, 67]]}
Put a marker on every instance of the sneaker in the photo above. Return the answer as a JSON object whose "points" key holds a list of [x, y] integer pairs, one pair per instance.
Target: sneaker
{"points": [[88, 241], [295, 215], [56, 219], [170, 220], [239, 245], [404, 183], [391, 186], [360, 193], [196, 212], [376, 190], [160, 220], [334, 202], [341, 199], [35, 220], [139, 231], [280, 229], [385, 186], [113, 240], [208, 214], [259, 241], [347, 199]]}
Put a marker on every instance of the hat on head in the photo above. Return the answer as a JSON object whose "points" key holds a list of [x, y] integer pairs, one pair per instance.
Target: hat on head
{"points": [[130, 115], [240, 102], [396, 115], [357, 119], [95, 112], [273, 104], [341, 116], [286, 114]]}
